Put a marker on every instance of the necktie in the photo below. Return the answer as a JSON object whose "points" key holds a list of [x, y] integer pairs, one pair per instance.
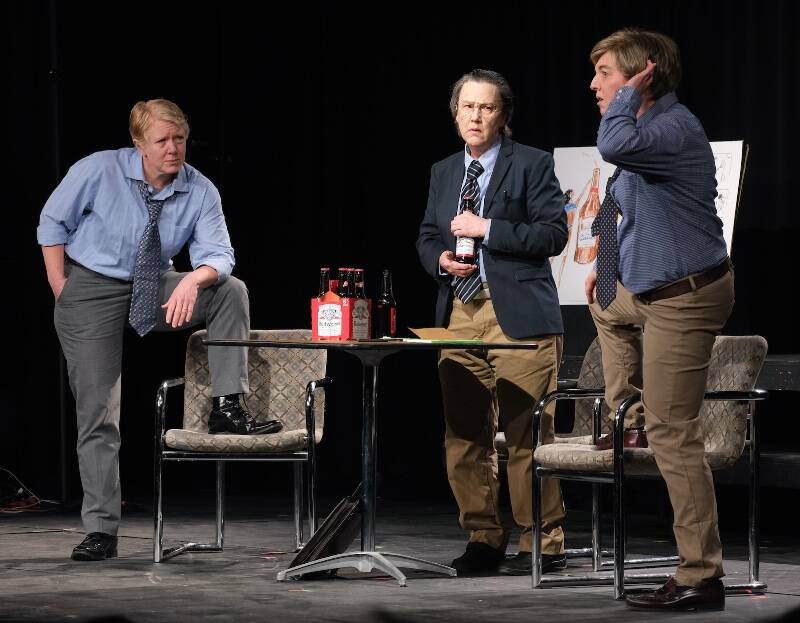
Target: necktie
{"points": [[467, 287], [146, 273], [605, 226]]}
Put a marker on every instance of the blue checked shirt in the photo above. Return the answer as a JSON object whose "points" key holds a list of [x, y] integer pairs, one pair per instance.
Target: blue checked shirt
{"points": [[98, 214], [665, 192]]}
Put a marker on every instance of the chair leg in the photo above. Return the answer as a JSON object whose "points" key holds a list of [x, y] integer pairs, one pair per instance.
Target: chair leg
{"points": [[619, 532], [597, 552], [536, 537], [220, 503], [312, 491], [298, 506], [158, 524], [753, 531]]}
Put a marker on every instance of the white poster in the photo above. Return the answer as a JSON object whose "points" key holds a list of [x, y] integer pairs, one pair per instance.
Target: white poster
{"points": [[583, 174]]}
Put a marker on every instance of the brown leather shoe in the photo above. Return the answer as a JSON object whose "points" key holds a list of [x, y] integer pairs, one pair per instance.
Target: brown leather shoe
{"points": [[631, 438], [708, 595]]}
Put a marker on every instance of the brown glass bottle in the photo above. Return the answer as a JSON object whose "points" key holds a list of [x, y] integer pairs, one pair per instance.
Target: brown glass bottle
{"points": [[324, 281], [358, 279], [386, 308], [344, 282], [465, 246]]}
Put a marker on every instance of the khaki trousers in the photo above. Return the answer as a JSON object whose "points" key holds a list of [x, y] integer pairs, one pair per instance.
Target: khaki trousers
{"points": [[663, 349], [476, 384]]}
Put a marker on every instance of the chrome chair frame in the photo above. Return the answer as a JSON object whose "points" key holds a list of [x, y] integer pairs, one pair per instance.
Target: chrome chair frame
{"points": [[616, 478], [163, 454]]}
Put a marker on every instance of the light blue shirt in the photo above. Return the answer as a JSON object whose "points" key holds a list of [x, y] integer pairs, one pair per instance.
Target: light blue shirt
{"points": [[487, 160], [98, 214]]}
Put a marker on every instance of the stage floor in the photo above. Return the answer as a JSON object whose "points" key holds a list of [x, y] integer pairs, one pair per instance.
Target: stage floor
{"points": [[38, 581]]}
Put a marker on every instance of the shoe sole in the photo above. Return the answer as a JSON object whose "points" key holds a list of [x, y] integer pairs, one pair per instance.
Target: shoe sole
{"points": [[84, 556], [684, 607]]}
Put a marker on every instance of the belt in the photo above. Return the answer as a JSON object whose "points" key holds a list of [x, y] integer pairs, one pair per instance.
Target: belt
{"points": [[687, 284], [483, 293]]}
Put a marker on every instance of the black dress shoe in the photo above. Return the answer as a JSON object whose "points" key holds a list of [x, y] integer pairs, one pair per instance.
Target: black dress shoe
{"points": [[96, 546], [521, 564], [631, 438], [478, 557], [229, 416], [708, 595]]}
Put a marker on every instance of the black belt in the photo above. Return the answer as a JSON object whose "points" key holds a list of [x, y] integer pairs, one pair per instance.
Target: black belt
{"points": [[687, 284]]}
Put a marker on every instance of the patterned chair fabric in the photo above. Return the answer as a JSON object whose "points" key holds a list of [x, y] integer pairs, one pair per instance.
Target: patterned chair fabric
{"points": [[589, 377], [735, 364], [278, 379]]}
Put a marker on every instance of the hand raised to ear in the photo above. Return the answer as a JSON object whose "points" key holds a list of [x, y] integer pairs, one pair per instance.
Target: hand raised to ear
{"points": [[642, 81]]}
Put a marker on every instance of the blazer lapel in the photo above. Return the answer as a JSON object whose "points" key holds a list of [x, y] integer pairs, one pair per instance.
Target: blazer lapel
{"points": [[452, 191], [498, 175]]}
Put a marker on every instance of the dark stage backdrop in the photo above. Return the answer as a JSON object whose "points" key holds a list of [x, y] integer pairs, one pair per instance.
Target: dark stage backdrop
{"points": [[319, 125]]}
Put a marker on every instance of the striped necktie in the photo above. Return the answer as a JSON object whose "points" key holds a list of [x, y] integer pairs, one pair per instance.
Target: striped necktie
{"points": [[605, 226], [147, 273], [467, 287]]}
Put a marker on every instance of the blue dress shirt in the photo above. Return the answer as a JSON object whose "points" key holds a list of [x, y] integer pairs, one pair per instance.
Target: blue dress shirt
{"points": [[665, 192], [98, 214]]}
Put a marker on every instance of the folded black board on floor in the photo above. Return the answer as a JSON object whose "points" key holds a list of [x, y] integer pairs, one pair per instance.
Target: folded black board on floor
{"points": [[335, 534]]}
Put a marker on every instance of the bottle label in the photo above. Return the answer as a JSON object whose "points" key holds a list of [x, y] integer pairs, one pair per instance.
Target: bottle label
{"points": [[392, 321], [360, 316], [585, 237], [329, 320], [465, 247]]}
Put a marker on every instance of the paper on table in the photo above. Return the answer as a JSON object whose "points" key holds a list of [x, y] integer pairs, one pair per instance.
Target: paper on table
{"points": [[434, 333], [439, 334]]}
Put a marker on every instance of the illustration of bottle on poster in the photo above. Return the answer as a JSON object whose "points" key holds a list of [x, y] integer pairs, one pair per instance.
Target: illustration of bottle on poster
{"points": [[574, 165]]}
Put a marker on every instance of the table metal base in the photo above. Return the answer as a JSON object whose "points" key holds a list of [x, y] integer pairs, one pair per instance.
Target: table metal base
{"points": [[365, 562]]}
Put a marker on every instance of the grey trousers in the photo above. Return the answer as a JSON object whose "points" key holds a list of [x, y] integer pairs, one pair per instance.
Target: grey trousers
{"points": [[90, 317]]}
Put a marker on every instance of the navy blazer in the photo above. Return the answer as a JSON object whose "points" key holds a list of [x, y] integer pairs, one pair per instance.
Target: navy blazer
{"points": [[526, 205]]}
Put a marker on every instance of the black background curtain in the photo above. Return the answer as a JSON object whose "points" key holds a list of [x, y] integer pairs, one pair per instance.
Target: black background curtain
{"points": [[319, 125]]}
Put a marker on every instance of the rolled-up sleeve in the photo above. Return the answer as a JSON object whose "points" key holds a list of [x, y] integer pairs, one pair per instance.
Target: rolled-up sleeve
{"points": [[210, 243], [63, 210]]}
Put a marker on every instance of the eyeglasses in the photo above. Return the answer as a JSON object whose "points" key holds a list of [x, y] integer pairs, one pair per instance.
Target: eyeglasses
{"points": [[467, 109]]}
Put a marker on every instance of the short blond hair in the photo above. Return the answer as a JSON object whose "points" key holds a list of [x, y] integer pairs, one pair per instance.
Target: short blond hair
{"points": [[143, 114], [632, 47]]}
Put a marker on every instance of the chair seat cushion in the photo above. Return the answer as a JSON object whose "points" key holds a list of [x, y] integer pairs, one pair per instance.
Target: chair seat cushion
{"points": [[284, 441], [585, 457]]}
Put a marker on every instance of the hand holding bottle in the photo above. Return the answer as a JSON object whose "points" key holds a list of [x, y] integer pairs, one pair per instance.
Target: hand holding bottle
{"points": [[447, 261], [468, 225]]}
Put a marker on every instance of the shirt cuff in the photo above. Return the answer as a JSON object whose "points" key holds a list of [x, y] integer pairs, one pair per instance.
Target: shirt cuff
{"points": [[626, 97], [222, 267], [488, 230]]}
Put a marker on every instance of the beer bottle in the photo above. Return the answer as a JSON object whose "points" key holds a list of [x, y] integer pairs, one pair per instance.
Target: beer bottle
{"points": [[359, 281], [351, 283], [329, 311], [386, 309], [343, 278], [324, 281], [465, 246], [360, 309]]}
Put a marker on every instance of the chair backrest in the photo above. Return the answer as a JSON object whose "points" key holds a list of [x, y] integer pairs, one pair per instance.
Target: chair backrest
{"points": [[735, 364], [278, 379], [590, 377]]}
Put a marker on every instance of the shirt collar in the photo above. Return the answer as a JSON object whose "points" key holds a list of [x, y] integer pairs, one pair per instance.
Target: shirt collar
{"points": [[487, 159], [662, 103], [135, 171]]}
